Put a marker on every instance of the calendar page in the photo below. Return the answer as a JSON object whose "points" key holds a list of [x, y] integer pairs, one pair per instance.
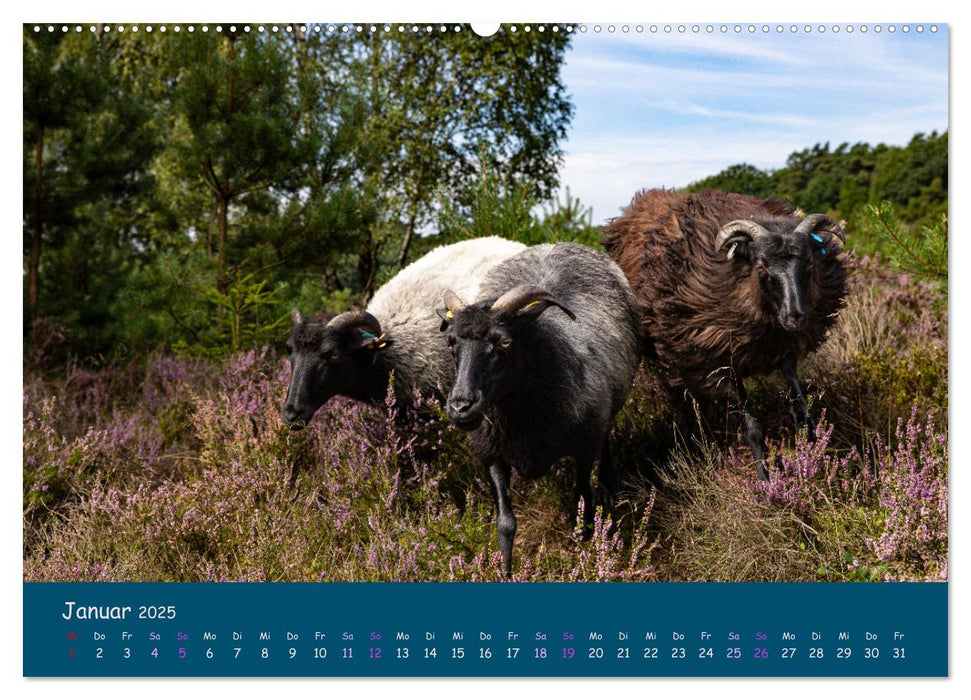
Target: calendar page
{"points": [[468, 350]]}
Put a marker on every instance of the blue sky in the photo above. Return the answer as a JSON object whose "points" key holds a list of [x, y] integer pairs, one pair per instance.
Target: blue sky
{"points": [[661, 109]]}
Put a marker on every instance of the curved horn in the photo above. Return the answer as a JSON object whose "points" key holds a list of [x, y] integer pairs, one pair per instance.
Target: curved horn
{"points": [[296, 316], [358, 319], [821, 222], [525, 295], [749, 228]]}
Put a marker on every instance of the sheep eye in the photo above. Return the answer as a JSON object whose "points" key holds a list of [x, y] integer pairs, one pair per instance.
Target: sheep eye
{"points": [[504, 343]]}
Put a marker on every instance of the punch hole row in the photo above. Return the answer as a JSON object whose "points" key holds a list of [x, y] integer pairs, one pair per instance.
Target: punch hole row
{"points": [[276, 28], [442, 28], [751, 28]]}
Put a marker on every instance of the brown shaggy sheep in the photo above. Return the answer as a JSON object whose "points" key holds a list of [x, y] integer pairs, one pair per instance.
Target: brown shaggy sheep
{"points": [[729, 286]]}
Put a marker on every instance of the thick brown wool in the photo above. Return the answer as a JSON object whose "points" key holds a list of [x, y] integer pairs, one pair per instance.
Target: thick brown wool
{"points": [[704, 315]]}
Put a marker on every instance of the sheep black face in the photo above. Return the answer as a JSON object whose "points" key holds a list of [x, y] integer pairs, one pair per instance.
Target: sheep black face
{"points": [[484, 339], [327, 359], [782, 253]]}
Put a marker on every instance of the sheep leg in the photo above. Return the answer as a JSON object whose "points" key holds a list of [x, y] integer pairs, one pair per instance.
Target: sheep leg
{"points": [[500, 473], [607, 477], [797, 406], [583, 489], [754, 434]]}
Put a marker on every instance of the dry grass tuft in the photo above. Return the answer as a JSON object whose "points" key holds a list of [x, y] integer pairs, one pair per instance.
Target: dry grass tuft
{"points": [[719, 527]]}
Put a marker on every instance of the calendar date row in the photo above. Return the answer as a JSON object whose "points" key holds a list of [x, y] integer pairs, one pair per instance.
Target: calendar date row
{"points": [[485, 653]]}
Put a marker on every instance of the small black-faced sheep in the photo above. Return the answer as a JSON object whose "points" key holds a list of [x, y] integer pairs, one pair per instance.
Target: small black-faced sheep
{"points": [[729, 286], [354, 353], [535, 384]]}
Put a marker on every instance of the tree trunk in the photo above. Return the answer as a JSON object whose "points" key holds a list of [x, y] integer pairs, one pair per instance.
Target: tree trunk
{"points": [[33, 266], [406, 243], [225, 193], [412, 221], [366, 267], [223, 232]]}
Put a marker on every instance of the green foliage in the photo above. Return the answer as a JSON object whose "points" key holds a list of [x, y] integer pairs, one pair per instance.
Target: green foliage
{"points": [[742, 178], [318, 164], [88, 138], [233, 139], [160, 304], [498, 208], [921, 250], [846, 180], [244, 322], [432, 102], [285, 156], [914, 178], [569, 220]]}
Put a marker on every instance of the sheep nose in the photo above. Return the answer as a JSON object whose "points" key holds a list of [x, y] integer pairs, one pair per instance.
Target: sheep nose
{"points": [[462, 404], [795, 319], [291, 416], [462, 407]]}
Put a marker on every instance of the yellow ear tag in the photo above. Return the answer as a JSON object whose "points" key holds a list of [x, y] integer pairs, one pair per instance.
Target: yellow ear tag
{"points": [[381, 345], [449, 314], [531, 304]]}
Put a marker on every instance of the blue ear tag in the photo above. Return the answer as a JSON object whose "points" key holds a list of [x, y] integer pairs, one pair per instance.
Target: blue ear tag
{"points": [[818, 240], [368, 335]]}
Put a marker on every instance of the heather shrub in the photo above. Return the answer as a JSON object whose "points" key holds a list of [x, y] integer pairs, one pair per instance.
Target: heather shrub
{"points": [[827, 513], [101, 427], [608, 557], [914, 495], [886, 354], [47, 478], [45, 344], [192, 476]]}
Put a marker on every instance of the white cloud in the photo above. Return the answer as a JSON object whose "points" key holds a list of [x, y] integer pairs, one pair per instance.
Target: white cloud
{"points": [[668, 110], [792, 120], [606, 173]]}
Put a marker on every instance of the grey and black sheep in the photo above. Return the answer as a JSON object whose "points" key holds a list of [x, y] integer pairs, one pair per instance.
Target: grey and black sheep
{"points": [[545, 357]]}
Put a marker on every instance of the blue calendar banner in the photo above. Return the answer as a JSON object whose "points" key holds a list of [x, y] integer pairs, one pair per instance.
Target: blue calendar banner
{"points": [[295, 629]]}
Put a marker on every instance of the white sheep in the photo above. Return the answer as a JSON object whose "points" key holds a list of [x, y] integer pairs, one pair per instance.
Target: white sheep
{"points": [[354, 353]]}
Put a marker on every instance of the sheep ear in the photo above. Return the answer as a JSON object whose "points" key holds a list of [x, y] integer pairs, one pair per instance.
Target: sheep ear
{"points": [[446, 317], [823, 229], [369, 341], [453, 305], [737, 247], [296, 316], [736, 234], [360, 327]]}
